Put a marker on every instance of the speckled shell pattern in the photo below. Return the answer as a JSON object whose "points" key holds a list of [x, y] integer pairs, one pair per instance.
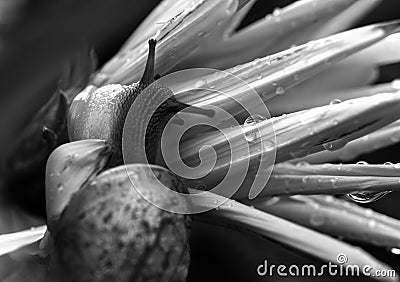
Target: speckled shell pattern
{"points": [[109, 232]]}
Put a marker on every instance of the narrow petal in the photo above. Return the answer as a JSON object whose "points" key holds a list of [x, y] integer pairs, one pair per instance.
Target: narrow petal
{"points": [[292, 136], [284, 28], [14, 241], [331, 220], [177, 38], [271, 76], [343, 81], [306, 179], [236, 215], [347, 18], [379, 139], [68, 168]]}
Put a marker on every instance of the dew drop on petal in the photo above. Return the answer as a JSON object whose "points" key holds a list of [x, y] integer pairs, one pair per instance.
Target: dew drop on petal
{"points": [[362, 163], [366, 197], [388, 164], [280, 91], [251, 122], [372, 223], [305, 179], [335, 101], [395, 251], [60, 188], [272, 201], [334, 181], [200, 83], [302, 163], [335, 145], [317, 219]]}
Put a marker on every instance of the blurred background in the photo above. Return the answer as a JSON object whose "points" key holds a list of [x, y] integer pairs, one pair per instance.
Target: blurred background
{"points": [[39, 38]]}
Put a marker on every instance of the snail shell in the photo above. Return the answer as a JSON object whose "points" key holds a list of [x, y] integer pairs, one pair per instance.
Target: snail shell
{"points": [[109, 232]]}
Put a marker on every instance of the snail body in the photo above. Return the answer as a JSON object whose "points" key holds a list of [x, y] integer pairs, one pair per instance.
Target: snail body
{"points": [[100, 113], [109, 232]]}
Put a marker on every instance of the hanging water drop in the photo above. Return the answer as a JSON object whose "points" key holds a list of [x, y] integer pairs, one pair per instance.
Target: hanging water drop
{"points": [[366, 197]]}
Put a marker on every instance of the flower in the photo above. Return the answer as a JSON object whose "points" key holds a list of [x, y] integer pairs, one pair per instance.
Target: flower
{"points": [[289, 58]]}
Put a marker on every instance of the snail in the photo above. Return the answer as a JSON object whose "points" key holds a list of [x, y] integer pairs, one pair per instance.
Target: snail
{"points": [[100, 113], [109, 232]]}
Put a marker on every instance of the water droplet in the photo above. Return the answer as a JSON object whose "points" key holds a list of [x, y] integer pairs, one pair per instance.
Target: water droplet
{"points": [[335, 145], [276, 12], [317, 219], [395, 251], [296, 77], [60, 188], [251, 122], [51, 174], [366, 197], [388, 163], [302, 163], [362, 163], [272, 201], [305, 179], [259, 76], [172, 56], [334, 181], [280, 91], [371, 223], [396, 84], [200, 83], [335, 122], [310, 131], [335, 101]]}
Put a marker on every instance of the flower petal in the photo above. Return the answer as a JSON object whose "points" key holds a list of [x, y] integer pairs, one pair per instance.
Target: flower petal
{"points": [[306, 179], [236, 215], [177, 38], [296, 134], [332, 220], [14, 241], [271, 76], [387, 136], [294, 24]]}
